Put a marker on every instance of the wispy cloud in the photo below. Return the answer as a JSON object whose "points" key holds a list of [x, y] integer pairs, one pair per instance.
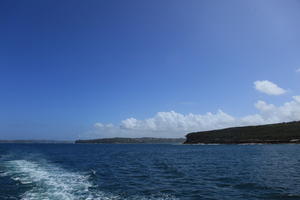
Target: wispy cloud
{"points": [[268, 87]]}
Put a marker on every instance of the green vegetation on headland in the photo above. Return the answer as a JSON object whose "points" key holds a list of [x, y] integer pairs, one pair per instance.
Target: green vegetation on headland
{"points": [[265, 134], [144, 140]]}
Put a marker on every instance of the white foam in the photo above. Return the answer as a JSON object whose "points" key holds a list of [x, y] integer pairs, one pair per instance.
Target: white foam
{"points": [[50, 182]]}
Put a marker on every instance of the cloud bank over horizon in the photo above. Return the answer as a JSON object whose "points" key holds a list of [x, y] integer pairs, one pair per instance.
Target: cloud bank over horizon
{"points": [[174, 124]]}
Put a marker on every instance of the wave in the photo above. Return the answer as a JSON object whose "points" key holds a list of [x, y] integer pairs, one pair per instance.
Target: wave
{"points": [[50, 182]]}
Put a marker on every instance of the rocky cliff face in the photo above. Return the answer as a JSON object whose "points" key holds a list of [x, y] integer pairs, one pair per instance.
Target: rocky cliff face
{"points": [[272, 133]]}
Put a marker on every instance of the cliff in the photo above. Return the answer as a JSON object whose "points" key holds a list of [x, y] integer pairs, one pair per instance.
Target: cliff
{"points": [[269, 134]]}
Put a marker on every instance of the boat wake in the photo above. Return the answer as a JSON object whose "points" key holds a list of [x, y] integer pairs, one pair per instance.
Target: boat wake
{"points": [[50, 182]]}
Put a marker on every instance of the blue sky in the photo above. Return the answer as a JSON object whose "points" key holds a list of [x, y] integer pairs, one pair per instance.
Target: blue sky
{"points": [[73, 69]]}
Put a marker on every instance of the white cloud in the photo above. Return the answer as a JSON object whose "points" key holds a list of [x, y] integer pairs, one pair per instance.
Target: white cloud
{"points": [[100, 125], [289, 111], [263, 106], [173, 124], [268, 87], [173, 121]]}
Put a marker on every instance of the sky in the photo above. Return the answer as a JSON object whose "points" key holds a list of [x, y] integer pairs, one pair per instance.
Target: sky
{"points": [[73, 69]]}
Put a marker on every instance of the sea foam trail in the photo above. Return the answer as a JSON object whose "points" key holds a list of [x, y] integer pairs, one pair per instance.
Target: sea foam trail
{"points": [[50, 182]]}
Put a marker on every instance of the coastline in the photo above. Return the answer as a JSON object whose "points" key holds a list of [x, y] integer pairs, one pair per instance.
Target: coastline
{"points": [[280, 133]]}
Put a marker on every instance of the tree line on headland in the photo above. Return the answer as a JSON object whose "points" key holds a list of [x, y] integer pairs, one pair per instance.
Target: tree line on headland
{"points": [[266, 134]]}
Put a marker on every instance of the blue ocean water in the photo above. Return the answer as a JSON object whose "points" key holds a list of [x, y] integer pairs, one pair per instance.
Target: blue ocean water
{"points": [[145, 171]]}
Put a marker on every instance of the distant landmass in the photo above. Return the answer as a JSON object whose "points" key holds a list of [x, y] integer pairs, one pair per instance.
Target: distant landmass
{"points": [[143, 140], [37, 141], [267, 134]]}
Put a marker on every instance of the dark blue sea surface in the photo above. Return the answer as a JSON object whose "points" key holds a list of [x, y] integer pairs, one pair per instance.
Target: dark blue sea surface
{"points": [[144, 171]]}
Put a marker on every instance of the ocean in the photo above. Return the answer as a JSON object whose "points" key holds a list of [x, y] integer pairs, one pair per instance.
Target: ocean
{"points": [[149, 172]]}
